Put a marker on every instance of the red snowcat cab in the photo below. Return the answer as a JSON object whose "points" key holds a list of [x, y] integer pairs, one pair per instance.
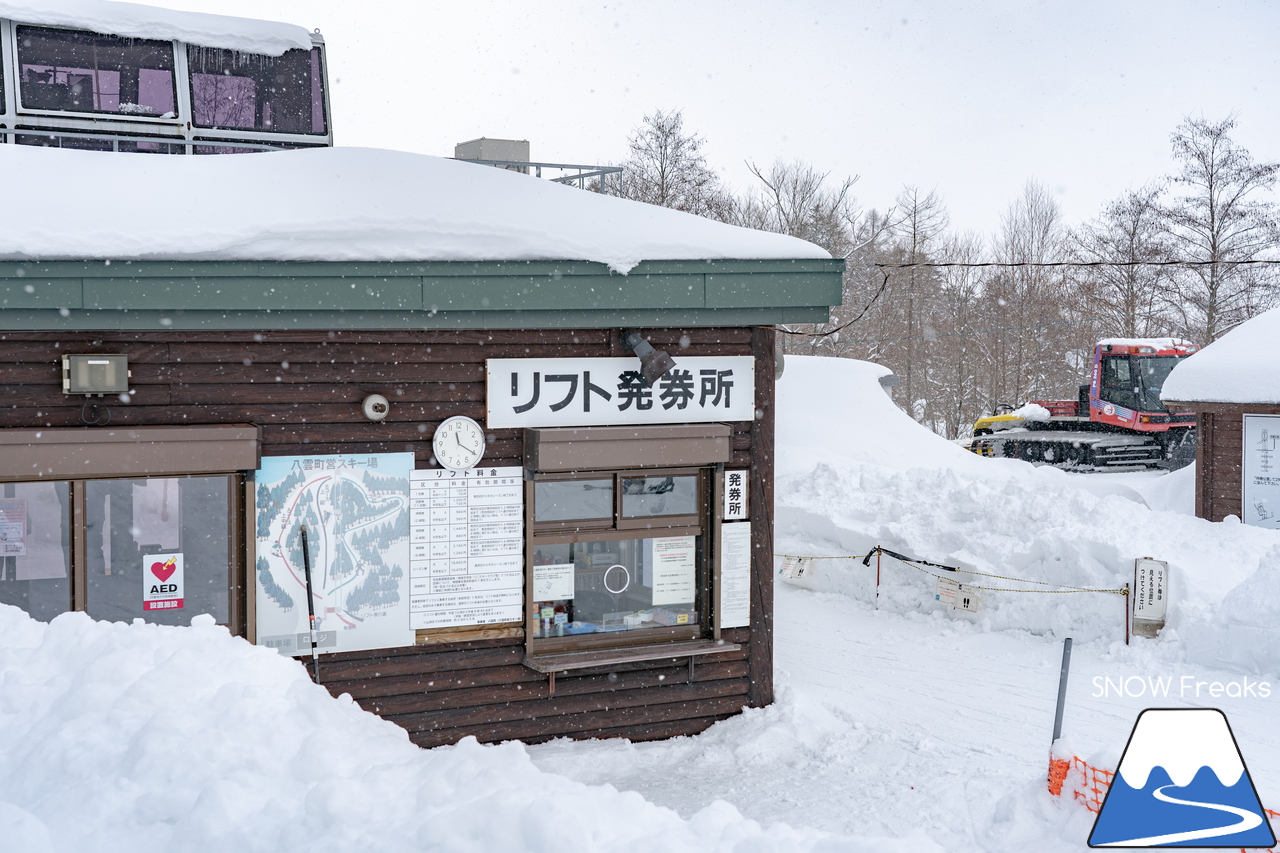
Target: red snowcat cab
{"points": [[1118, 423]]}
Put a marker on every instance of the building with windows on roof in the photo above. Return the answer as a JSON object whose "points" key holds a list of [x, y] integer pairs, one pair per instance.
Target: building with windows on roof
{"points": [[527, 429]]}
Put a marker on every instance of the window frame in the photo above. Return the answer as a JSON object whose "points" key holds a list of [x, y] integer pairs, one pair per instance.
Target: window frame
{"points": [[21, 109], [78, 544], [618, 528], [315, 54]]}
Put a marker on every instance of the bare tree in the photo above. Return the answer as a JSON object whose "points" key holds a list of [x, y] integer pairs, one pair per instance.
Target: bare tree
{"points": [[919, 230], [1219, 218], [796, 199], [666, 166], [1028, 307], [1130, 229]]}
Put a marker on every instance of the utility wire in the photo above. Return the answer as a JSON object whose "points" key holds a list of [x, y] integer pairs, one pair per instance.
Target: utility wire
{"points": [[1006, 265]]}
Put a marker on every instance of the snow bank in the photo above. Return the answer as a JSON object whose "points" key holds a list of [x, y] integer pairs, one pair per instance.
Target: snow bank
{"points": [[151, 22], [1232, 369], [143, 738], [342, 204], [859, 472]]}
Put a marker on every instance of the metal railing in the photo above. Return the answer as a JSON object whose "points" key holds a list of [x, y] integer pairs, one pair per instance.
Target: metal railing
{"points": [[584, 171]]}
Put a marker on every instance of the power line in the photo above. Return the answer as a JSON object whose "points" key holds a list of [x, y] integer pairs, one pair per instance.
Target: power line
{"points": [[1006, 265], [1016, 264]]}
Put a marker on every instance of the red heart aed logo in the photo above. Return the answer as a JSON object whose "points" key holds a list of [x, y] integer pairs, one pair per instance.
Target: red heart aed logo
{"points": [[163, 570]]}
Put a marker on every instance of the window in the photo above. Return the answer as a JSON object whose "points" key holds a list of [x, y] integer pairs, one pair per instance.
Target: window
{"points": [[1118, 385], [72, 71], [35, 547], [616, 558], [134, 529], [120, 143], [1151, 372], [161, 549], [231, 90]]}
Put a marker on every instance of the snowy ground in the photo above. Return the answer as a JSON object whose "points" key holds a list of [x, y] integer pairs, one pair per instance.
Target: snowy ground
{"points": [[900, 726]]}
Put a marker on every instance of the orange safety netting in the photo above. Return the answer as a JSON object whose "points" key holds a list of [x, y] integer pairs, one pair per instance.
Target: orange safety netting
{"points": [[1089, 785]]}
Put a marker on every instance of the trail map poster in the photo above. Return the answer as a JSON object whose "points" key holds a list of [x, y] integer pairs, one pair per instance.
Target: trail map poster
{"points": [[1261, 475], [356, 509]]}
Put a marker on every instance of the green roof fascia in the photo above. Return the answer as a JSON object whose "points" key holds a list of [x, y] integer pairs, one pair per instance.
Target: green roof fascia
{"points": [[455, 294]]}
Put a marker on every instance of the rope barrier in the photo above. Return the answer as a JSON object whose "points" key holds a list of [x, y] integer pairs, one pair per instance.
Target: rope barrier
{"points": [[1064, 589]]}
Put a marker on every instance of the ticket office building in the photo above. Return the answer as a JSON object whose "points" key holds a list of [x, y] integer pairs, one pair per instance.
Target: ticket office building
{"points": [[603, 568]]}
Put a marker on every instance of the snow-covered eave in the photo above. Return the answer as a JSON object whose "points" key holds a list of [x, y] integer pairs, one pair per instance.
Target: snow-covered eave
{"points": [[133, 20]]}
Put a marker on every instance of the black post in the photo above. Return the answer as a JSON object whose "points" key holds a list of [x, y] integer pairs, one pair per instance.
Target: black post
{"points": [[1062, 689], [311, 606]]}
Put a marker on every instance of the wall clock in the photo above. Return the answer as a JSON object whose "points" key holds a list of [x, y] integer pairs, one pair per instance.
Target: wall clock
{"points": [[459, 443]]}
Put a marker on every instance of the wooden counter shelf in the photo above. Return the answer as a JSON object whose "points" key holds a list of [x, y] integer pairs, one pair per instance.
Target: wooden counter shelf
{"points": [[567, 661]]}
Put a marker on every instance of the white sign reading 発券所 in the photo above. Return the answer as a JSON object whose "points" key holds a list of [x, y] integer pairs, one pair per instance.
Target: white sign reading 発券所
{"points": [[552, 392]]}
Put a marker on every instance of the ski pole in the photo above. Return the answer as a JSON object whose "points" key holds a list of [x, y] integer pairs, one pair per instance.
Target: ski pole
{"points": [[311, 606]]}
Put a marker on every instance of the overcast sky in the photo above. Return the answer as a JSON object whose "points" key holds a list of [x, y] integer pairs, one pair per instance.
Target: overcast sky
{"points": [[972, 99]]}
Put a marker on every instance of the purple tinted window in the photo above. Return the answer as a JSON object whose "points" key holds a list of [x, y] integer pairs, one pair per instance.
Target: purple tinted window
{"points": [[248, 91], [73, 71]]}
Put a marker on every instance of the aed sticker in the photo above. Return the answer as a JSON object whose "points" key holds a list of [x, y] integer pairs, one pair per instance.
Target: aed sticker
{"points": [[162, 582]]}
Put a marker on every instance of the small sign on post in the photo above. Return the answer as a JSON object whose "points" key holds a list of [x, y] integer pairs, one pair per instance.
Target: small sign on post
{"points": [[1150, 596], [957, 596]]}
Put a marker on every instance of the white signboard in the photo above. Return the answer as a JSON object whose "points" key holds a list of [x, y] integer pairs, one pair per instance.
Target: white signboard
{"points": [[796, 568], [671, 559], [551, 392], [735, 575], [735, 495], [162, 582], [1261, 474], [1150, 589], [13, 527], [553, 582], [356, 509], [957, 595], [467, 561]]}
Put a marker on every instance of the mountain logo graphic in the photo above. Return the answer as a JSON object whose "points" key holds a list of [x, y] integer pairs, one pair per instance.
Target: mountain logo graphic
{"points": [[1182, 783]]}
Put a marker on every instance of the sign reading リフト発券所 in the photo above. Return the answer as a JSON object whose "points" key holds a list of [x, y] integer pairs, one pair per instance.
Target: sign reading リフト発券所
{"points": [[552, 392]]}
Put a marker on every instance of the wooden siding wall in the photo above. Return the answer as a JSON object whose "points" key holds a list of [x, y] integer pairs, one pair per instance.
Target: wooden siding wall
{"points": [[1220, 463], [305, 388]]}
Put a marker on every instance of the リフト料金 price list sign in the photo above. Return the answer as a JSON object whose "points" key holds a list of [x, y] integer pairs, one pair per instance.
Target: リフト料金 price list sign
{"points": [[466, 534]]}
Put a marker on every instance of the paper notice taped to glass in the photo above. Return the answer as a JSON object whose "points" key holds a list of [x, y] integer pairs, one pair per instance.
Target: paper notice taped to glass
{"points": [[674, 569], [553, 582]]}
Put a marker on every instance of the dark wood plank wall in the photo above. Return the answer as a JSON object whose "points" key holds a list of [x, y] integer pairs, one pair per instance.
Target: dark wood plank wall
{"points": [[305, 388], [1222, 482], [1220, 456]]}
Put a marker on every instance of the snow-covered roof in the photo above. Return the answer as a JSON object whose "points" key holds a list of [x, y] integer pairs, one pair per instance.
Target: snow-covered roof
{"points": [[1155, 343], [1236, 368], [338, 204], [138, 21]]}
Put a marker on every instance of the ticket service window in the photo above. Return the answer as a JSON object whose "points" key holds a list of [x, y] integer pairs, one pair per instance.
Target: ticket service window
{"points": [[622, 557], [123, 524]]}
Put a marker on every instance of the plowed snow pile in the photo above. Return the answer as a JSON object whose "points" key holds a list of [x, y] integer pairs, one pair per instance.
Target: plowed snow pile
{"points": [[143, 738], [856, 472]]}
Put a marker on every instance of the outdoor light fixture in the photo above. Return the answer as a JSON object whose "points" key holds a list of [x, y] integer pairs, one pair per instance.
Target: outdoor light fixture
{"points": [[653, 362]]}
